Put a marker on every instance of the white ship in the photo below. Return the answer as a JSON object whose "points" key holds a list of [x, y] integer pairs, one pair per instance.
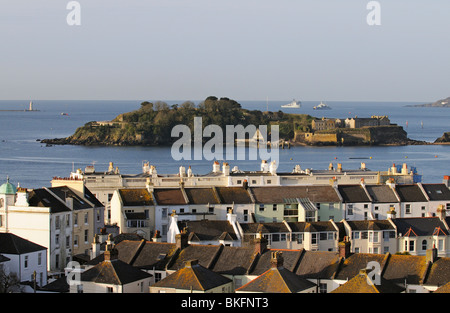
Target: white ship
{"points": [[293, 105], [322, 106]]}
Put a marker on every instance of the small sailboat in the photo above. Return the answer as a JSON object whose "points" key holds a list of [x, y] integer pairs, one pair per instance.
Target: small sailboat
{"points": [[292, 105]]}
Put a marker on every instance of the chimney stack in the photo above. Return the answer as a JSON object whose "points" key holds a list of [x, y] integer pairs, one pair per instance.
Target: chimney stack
{"points": [[276, 259], [431, 255], [260, 243], [216, 167], [391, 213], [441, 212], [95, 247], [446, 181], [181, 239], [111, 253], [157, 236], [344, 248]]}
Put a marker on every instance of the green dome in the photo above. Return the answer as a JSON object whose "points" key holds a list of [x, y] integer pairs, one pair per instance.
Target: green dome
{"points": [[8, 188]]}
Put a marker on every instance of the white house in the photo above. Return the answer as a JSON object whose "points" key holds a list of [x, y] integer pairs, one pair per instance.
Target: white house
{"points": [[27, 259]]}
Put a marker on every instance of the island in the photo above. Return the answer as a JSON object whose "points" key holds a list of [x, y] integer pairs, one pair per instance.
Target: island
{"points": [[444, 139], [443, 103], [152, 124]]}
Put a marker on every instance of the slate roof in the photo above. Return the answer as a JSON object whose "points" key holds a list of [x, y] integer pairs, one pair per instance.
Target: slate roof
{"points": [[291, 258], [228, 195], [438, 272], [205, 254], [43, 198], [410, 193], [201, 196], [13, 244], [381, 194], [64, 192], [207, 230], [169, 196], [351, 266], [255, 228], [136, 197], [363, 283], [279, 194], [193, 276], [409, 268], [234, 260], [277, 280], [353, 193], [420, 226], [114, 272], [142, 254], [318, 264], [371, 225], [437, 192]]}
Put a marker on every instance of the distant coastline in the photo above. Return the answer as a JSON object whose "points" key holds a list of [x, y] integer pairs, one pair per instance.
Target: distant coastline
{"points": [[443, 103]]}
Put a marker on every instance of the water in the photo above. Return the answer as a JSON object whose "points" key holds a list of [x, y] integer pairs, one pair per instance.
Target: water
{"points": [[31, 164]]}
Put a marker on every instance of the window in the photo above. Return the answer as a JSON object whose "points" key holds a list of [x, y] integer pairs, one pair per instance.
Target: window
{"points": [[254, 182], [298, 238], [366, 206], [25, 263], [57, 223], [408, 208], [323, 236], [86, 218], [441, 244], [211, 209], [57, 239], [39, 258], [411, 245], [67, 241], [75, 240], [86, 235], [261, 208], [331, 236], [349, 211], [355, 234], [158, 277], [274, 207], [373, 237], [109, 289], [275, 237], [364, 235], [424, 244], [67, 220], [314, 240], [164, 212], [75, 219], [376, 208]]}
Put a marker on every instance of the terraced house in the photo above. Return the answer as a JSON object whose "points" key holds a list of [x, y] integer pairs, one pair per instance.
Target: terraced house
{"points": [[249, 268]]}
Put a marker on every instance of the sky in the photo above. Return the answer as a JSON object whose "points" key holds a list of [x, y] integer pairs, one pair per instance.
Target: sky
{"points": [[242, 49]]}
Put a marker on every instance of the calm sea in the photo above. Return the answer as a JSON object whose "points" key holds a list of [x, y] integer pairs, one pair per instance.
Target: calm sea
{"points": [[31, 164]]}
